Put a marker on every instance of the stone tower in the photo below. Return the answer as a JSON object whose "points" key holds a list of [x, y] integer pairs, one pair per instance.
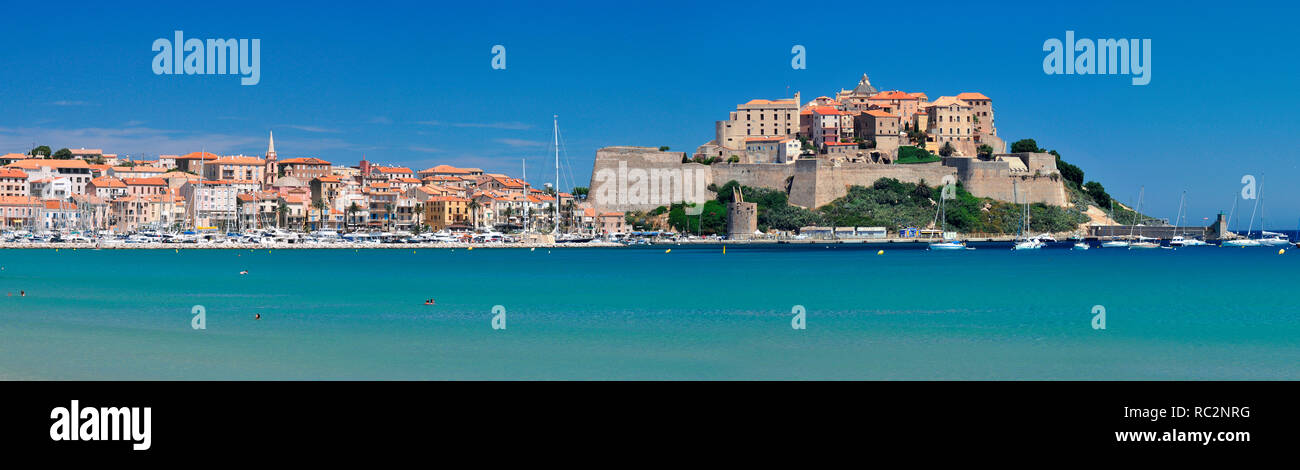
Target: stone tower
{"points": [[272, 169], [742, 217]]}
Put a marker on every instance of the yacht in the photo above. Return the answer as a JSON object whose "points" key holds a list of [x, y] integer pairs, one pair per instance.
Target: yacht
{"points": [[1241, 242], [1027, 243], [1081, 245], [945, 245], [1115, 244], [1273, 239], [1144, 243], [1030, 244], [948, 245], [1181, 241]]}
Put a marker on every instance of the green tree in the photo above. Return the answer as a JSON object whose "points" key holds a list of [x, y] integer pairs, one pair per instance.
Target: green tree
{"points": [[1068, 171], [42, 151], [733, 159], [947, 150], [1098, 193], [62, 154], [984, 151], [319, 205], [1025, 146], [581, 192], [663, 148], [347, 222]]}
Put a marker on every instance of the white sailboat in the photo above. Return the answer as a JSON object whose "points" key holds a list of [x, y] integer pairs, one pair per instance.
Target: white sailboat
{"points": [[1246, 242], [1142, 243], [1021, 242], [1114, 243], [942, 215]]}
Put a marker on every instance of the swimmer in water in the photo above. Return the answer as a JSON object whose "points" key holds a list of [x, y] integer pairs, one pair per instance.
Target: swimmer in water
{"points": [[241, 273], [429, 302], [22, 293], [257, 316]]}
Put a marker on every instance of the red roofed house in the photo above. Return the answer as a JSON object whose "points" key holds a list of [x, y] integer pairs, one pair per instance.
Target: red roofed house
{"points": [[609, 223], [60, 214], [304, 168], [13, 183], [18, 211], [106, 187], [881, 127]]}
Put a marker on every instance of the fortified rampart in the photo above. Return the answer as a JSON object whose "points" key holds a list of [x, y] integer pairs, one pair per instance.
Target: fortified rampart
{"points": [[643, 178], [1016, 177]]}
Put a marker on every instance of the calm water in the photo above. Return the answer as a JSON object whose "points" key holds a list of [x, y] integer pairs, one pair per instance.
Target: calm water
{"points": [[639, 313]]}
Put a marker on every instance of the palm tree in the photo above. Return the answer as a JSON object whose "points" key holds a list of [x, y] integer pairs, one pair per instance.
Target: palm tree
{"points": [[319, 205], [280, 211], [388, 216], [473, 209], [568, 211], [419, 217], [347, 222]]}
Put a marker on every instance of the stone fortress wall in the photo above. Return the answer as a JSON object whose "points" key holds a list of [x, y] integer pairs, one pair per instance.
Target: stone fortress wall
{"points": [[638, 178]]}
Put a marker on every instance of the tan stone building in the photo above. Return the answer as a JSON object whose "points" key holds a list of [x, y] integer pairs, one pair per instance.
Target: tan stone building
{"points": [[758, 118], [951, 120], [235, 168], [441, 212], [304, 169], [880, 127]]}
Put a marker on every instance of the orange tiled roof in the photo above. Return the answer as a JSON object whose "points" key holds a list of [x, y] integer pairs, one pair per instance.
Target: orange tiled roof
{"points": [[238, 160], [107, 182], [51, 204], [972, 96], [37, 163], [144, 181], [891, 95], [197, 155], [304, 161]]}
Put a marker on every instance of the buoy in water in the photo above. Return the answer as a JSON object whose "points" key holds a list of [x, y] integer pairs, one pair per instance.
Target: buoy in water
{"points": [[469, 249], [881, 252], [670, 250], [1281, 251]]}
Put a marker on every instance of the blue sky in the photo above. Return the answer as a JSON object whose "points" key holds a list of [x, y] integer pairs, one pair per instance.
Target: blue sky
{"points": [[411, 83]]}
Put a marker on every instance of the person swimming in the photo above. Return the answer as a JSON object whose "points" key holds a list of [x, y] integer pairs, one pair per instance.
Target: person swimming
{"points": [[257, 316], [430, 302], [22, 293], [244, 272]]}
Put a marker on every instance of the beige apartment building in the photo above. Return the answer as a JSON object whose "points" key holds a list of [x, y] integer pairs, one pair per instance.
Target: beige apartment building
{"points": [[951, 121], [881, 127], [237, 168], [759, 118]]}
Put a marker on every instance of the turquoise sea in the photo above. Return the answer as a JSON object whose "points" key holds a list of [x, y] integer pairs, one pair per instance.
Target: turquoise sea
{"points": [[641, 313]]}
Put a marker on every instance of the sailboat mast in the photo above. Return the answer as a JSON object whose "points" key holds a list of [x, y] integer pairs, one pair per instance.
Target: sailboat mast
{"points": [[524, 163], [1179, 216], [1251, 225], [556, 128]]}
